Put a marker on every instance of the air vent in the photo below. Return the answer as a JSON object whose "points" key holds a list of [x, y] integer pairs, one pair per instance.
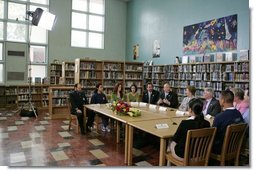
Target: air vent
{"points": [[16, 53]]}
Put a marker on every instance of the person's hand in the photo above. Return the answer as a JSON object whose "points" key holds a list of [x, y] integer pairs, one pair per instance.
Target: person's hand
{"points": [[166, 101], [79, 111], [160, 101]]}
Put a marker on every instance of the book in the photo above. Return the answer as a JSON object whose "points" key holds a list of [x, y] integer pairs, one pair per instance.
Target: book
{"points": [[207, 58], [192, 59], [220, 57], [199, 58], [37, 80], [244, 55], [185, 59]]}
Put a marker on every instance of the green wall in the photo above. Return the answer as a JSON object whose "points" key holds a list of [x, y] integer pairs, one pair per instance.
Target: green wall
{"points": [[115, 33], [149, 20]]}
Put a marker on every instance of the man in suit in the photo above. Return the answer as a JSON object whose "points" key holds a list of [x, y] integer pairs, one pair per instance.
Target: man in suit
{"points": [[78, 99], [150, 96], [168, 98], [211, 105]]}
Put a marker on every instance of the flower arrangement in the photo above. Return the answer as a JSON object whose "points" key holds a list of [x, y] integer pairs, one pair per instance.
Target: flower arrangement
{"points": [[123, 108]]}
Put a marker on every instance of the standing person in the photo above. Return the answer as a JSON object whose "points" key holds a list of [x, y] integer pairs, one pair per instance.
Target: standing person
{"points": [[211, 105], [99, 98], [150, 96], [117, 93], [77, 100], [168, 98], [133, 96], [195, 121], [230, 115], [190, 92]]}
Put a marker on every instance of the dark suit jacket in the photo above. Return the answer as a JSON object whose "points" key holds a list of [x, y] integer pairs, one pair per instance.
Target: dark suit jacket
{"points": [[154, 97], [172, 97], [77, 99], [214, 107], [181, 134]]}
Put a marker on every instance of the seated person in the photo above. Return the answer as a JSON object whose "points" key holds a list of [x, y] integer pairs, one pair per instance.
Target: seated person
{"points": [[211, 105], [77, 100], [195, 121], [239, 102], [150, 96], [133, 96], [117, 93], [190, 92], [168, 98], [230, 115], [99, 98]]}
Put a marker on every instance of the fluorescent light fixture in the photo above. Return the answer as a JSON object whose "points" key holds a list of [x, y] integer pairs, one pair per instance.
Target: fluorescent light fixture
{"points": [[42, 18]]}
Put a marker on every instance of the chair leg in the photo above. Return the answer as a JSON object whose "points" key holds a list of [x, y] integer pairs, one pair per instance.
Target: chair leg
{"points": [[70, 121]]}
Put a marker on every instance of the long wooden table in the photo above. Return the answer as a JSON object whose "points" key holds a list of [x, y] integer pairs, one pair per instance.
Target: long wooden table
{"points": [[146, 122], [146, 115]]}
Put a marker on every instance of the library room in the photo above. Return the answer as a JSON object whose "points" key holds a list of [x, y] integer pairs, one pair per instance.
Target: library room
{"points": [[120, 83]]}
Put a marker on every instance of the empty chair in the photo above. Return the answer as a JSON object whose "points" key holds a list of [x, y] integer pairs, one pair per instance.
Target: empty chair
{"points": [[231, 144], [197, 148]]}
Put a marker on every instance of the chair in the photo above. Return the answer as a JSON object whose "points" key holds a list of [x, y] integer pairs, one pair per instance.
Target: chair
{"points": [[231, 144], [197, 148], [73, 120]]}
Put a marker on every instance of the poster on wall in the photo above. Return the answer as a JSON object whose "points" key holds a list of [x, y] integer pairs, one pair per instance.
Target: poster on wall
{"points": [[135, 51], [217, 35], [156, 49]]}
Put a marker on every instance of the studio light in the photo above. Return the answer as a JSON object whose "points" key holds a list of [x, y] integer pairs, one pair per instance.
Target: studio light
{"points": [[42, 18]]}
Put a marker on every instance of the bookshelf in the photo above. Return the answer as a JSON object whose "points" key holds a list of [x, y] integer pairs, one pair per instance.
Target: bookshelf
{"points": [[113, 72], [88, 73], [68, 73], [58, 99], [55, 73], [218, 75], [133, 74]]}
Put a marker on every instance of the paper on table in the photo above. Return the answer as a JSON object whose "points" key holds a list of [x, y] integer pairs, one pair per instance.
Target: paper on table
{"points": [[152, 107], [179, 113], [134, 104], [142, 104], [163, 109], [208, 116], [161, 126]]}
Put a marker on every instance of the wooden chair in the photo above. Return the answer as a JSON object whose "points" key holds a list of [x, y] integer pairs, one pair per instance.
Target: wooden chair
{"points": [[73, 120], [231, 144], [197, 148]]}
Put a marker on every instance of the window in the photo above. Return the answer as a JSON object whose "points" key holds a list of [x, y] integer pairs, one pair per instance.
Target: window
{"points": [[88, 18], [15, 27], [1, 64]]}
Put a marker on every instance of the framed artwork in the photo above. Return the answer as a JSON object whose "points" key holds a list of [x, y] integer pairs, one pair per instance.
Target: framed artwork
{"points": [[156, 49], [217, 35]]}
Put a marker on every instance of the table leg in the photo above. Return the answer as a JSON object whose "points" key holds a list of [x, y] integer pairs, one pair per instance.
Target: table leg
{"points": [[117, 132], [130, 144], [85, 115], [162, 152], [126, 144]]}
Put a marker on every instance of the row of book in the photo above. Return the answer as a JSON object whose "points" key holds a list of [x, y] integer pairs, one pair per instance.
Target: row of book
{"points": [[243, 55]]}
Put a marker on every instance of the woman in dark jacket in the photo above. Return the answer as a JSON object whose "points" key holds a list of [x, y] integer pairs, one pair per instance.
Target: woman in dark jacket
{"points": [[195, 121]]}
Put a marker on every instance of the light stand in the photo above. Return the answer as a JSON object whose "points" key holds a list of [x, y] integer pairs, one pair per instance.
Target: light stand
{"points": [[43, 19]]}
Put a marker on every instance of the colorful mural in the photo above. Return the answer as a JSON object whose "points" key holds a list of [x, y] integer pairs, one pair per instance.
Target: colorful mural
{"points": [[218, 35]]}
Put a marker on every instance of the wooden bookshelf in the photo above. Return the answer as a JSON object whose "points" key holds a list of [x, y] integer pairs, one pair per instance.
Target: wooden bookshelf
{"points": [[133, 74], [58, 99], [68, 73], [55, 73]]}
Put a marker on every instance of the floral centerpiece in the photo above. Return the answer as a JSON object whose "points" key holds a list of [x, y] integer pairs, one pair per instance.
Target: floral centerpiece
{"points": [[123, 108]]}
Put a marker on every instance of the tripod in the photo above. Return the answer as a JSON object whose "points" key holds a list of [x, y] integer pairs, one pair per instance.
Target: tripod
{"points": [[31, 107]]}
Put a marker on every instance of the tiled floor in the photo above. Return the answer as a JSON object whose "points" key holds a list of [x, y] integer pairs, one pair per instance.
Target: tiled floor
{"points": [[43, 142]]}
